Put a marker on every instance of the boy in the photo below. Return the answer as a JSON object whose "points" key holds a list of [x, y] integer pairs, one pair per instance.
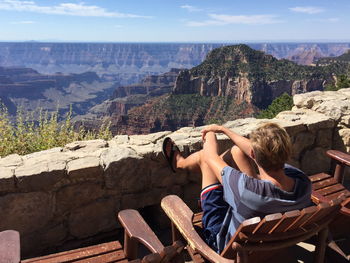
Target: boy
{"points": [[232, 190]]}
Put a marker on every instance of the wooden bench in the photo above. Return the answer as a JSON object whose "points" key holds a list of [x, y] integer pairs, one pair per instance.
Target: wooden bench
{"points": [[326, 187], [136, 231], [257, 234]]}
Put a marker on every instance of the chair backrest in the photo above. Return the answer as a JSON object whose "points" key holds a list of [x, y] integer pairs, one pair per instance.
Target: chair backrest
{"points": [[281, 230]]}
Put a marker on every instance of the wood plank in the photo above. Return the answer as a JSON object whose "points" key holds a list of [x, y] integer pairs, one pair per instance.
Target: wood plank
{"points": [[136, 228], [197, 220], [247, 226], [324, 183], [318, 177], [287, 219], [115, 256], [336, 195], [267, 223], [330, 189], [305, 214], [77, 254], [341, 157]]}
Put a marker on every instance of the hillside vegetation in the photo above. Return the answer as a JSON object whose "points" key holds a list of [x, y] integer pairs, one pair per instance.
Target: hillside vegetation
{"points": [[26, 136]]}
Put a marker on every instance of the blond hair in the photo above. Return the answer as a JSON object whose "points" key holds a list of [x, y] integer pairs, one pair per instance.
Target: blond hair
{"points": [[271, 145]]}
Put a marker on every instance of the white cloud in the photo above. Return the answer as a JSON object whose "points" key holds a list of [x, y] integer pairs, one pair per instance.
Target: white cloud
{"points": [[23, 22], [71, 9], [307, 9], [333, 20], [191, 8], [217, 19]]}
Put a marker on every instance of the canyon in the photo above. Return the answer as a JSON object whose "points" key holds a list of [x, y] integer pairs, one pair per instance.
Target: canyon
{"points": [[232, 82], [84, 75], [27, 90]]}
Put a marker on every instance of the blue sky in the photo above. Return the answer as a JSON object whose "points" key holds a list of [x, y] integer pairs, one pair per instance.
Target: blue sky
{"points": [[175, 20]]}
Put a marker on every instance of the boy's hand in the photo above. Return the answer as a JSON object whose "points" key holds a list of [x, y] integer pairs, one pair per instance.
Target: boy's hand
{"points": [[211, 128]]}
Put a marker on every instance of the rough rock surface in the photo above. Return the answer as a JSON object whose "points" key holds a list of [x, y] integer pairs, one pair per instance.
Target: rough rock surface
{"points": [[70, 193]]}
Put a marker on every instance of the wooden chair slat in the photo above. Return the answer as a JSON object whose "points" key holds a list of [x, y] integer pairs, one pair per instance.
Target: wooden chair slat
{"points": [[324, 183], [287, 219], [268, 223], [77, 254], [345, 193], [197, 217], [305, 214], [116, 256], [324, 210], [330, 189], [318, 177], [197, 220]]}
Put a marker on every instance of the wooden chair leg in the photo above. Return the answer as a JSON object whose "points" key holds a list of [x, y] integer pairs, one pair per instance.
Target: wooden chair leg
{"points": [[339, 172], [321, 245], [130, 247]]}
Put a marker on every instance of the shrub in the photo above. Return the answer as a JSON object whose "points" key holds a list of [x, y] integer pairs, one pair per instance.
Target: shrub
{"points": [[281, 103], [24, 135]]}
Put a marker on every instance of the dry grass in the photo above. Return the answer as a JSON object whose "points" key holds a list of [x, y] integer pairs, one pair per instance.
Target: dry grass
{"points": [[24, 135]]}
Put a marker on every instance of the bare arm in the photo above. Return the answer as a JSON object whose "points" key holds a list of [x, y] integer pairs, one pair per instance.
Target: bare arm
{"points": [[242, 142], [211, 155]]}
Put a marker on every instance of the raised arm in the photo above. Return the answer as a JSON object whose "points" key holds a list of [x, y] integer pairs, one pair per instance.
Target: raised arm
{"points": [[242, 142]]}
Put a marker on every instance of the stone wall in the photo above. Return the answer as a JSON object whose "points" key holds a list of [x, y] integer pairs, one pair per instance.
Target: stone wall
{"points": [[71, 193]]}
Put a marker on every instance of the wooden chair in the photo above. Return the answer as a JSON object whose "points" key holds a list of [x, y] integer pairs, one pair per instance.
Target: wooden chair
{"points": [[326, 187], [257, 234], [136, 231], [10, 246]]}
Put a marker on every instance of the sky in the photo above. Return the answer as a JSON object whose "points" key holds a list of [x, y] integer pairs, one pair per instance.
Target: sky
{"points": [[175, 20]]}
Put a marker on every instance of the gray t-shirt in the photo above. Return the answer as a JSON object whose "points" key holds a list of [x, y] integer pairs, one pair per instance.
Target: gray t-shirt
{"points": [[249, 197]]}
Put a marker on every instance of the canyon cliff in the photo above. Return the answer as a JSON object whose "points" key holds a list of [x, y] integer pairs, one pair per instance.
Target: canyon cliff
{"points": [[28, 90], [129, 62], [232, 82]]}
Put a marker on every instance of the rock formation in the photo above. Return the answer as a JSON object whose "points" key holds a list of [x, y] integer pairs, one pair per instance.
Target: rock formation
{"points": [[28, 89], [233, 82], [128, 63]]}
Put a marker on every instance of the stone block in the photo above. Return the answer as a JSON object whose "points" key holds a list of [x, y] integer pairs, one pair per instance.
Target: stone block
{"points": [[192, 195], [37, 178], [163, 176], [85, 168], [345, 121], [301, 142], [86, 146], [345, 135], [94, 218], [325, 138], [315, 161], [73, 196], [7, 180], [11, 161], [25, 212], [143, 199], [119, 139]]}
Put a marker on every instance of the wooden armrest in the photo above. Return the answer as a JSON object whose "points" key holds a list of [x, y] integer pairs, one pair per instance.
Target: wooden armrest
{"points": [[346, 207], [10, 250], [340, 157], [137, 231], [181, 216]]}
